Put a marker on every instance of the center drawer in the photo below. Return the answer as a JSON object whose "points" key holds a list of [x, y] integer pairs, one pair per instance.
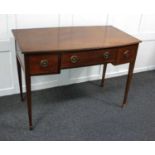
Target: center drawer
{"points": [[80, 59]]}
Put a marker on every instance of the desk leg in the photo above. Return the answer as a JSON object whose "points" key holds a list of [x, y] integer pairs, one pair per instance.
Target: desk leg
{"points": [[28, 92], [20, 79], [103, 74], [130, 74]]}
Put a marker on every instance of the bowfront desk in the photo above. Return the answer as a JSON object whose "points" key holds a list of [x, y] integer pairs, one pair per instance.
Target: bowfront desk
{"points": [[44, 51]]}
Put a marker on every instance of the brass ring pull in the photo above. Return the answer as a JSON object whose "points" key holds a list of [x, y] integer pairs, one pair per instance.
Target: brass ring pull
{"points": [[74, 59], [106, 55], [126, 54], [44, 63]]}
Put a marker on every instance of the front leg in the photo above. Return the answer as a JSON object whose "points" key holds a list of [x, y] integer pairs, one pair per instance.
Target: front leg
{"points": [[103, 74], [28, 91], [20, 79], [129, 78]]}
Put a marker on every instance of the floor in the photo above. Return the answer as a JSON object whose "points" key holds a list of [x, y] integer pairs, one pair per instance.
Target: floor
{"points": [[84, 112]]}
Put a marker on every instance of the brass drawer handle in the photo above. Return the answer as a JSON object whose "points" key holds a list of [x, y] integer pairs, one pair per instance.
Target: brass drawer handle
{"points": [[126, 54], [44, 63], [106, 55], [74, 59]]}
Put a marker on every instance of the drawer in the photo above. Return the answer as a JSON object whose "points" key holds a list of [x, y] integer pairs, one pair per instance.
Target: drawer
{"points": [[79, 59], [126, 54], [43, 64]]}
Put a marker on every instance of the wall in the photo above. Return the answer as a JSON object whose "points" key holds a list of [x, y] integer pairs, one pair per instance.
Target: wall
{"points": [[139, 25]]}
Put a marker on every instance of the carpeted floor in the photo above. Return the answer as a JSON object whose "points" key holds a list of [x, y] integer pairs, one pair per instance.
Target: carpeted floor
{"points": [[84, 112]]}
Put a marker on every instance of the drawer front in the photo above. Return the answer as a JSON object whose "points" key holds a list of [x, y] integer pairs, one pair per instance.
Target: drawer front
{"points": [[79, 59], [43, 64], [126, 54]]}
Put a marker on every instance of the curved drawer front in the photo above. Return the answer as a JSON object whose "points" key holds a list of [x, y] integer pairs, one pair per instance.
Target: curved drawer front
{"points": [[79, 59], [126, 54], [43, 64]]}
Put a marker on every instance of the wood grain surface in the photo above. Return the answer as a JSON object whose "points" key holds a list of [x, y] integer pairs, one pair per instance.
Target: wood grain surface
{"points": [[60, 39]]}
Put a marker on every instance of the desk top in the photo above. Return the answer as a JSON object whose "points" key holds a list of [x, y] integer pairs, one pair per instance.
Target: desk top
{"points": [[60, 39]]}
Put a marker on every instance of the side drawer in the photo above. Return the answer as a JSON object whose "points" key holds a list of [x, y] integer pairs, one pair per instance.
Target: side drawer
{"points": [[87, 58], [126, 54], [43, 64]]}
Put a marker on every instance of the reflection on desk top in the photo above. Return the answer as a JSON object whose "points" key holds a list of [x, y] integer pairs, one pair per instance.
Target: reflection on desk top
{"points": [[61, 39]]}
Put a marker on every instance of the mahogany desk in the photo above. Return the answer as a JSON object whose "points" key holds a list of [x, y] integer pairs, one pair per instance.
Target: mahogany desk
{"points": [[48, 50]]}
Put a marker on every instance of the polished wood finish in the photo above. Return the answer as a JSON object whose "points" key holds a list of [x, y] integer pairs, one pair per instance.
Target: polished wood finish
{"points": [[48, 50], [28, 90], [88, 58], [20, 79], [130, 74], [71, 38], [129, 78], [103, 74], [126, 54], [43, 64]]}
